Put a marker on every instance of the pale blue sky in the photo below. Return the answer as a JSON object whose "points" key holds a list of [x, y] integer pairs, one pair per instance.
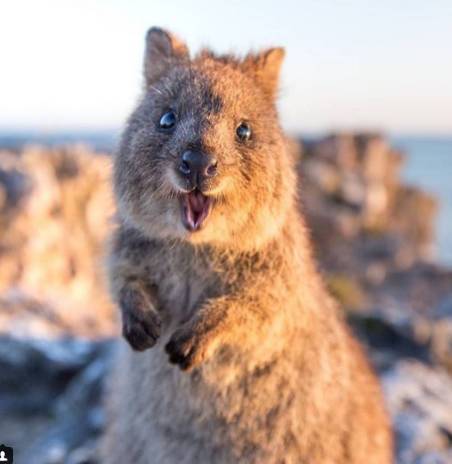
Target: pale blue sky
{"points": [[350, 64]]}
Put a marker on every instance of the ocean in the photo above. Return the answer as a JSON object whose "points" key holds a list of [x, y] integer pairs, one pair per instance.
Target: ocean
{"points": [[428, 165]]}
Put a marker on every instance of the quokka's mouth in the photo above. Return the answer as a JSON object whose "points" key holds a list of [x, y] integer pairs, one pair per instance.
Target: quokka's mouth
{"points": [[195, 209]]}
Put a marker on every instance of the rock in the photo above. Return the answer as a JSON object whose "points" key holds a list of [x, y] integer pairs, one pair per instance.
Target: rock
{"points": [[54, 219], [352, 191], [420, 402], [26, 316], [408, 334], [79, 417], [51, 365], [324, 175], [441, 333], [444, 308], [14, 187], [357, 177], [50, 397], [389, 337]]}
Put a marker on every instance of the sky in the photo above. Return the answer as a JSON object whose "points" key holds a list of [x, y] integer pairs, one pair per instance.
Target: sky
{"points": [[369, 65]]}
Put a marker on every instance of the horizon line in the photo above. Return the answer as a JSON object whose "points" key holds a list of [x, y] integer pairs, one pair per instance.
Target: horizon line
{"points": [[111, 130]]}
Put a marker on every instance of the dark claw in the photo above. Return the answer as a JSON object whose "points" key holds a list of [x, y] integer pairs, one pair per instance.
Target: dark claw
{"points": [[181, 352]]}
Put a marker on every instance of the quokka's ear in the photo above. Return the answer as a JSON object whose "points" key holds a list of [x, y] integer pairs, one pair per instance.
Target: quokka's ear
{"points": [[162, 50], [265, 68]]}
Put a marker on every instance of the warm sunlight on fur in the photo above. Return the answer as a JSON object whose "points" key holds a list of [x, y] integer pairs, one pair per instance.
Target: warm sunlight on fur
{"points": [[239, 353]]}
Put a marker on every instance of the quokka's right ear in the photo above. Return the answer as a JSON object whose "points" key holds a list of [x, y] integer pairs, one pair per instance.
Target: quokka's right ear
{"points": [[265, 68], [162, 50]]}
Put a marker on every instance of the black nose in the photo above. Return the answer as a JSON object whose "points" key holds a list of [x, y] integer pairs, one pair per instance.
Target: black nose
{"points": [[196, 165]]}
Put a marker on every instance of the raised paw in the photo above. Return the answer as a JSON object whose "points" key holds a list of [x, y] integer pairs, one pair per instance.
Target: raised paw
{"points": [[186, 348], [141, 324], [141, 330]]}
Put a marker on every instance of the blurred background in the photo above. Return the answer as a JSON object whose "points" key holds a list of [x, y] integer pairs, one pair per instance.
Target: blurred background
{"points": [[366, 96]]}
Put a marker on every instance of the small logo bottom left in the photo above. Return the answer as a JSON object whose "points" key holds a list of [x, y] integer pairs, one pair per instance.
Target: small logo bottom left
{"points": [[6, 454]]}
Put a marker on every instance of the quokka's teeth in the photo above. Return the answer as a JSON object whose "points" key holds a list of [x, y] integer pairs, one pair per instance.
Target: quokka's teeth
{"points": [[190, 217]]}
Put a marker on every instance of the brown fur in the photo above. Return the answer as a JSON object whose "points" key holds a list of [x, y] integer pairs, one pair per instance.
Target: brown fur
{"points": [[269, 372]]}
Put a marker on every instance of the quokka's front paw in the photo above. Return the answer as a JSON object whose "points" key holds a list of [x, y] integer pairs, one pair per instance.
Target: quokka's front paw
{"points": [[141, 324], [188, 348]]}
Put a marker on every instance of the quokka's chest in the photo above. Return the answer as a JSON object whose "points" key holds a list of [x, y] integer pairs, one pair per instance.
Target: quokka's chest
{"points": [[183, 284]]}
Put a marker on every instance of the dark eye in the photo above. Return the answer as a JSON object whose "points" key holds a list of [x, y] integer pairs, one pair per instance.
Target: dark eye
{"points": [[243, 131], [168, 120]]}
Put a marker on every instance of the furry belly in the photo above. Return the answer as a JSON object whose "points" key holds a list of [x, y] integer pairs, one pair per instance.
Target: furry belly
{"points": [[209, 415]]}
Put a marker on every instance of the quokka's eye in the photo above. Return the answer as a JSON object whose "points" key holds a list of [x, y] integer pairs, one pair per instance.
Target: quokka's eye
{"points": [[243, 131], [168, 120]]}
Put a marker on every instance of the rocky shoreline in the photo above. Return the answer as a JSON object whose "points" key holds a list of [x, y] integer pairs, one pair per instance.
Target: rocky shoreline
{"points": [[373, 237]]}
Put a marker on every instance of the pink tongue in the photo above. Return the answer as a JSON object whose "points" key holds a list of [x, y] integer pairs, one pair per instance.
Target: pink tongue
{"points": [[197, 202], [197, 205]]}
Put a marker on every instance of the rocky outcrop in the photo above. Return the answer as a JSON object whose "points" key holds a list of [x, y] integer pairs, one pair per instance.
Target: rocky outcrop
{"points": [[360, 213], [373, 235], [419, 398], [55, 210], [50, 398]]}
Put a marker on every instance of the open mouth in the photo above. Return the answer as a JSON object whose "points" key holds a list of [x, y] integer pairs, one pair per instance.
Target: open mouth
{"points": [[195, 209]]}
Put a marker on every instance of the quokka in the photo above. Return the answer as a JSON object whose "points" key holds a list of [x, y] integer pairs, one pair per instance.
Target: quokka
{"points": [[239, 353]]}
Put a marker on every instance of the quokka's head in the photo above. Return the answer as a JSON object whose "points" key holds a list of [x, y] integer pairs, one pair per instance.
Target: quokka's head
{"points": [[203, 157]]}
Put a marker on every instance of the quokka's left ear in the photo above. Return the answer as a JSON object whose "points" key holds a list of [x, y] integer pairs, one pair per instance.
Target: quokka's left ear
{"points": [[265, 68], [163, 49]]}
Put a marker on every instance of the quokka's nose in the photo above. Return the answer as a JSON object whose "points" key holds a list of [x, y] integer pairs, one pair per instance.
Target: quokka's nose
{"points": [[196, 165]]}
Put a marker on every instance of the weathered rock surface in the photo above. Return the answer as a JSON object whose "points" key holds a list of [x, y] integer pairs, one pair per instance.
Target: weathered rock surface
{"points": [[419, 398], [367, 225], [55, 210], [50, 398], [351, 183]]}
